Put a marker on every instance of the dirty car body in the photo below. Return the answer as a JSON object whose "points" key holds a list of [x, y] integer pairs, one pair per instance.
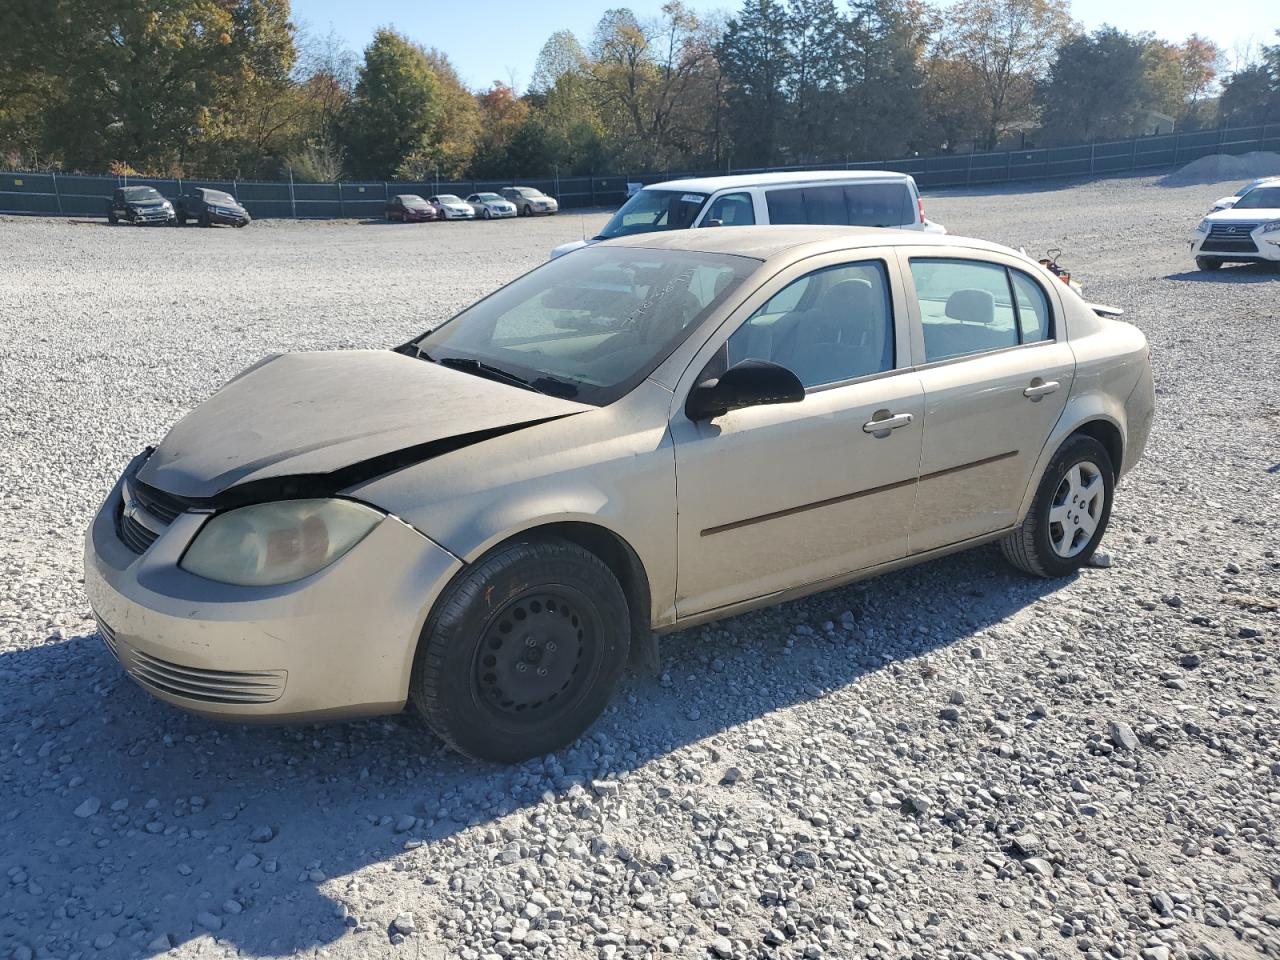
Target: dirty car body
{"points": [[485, 520]]}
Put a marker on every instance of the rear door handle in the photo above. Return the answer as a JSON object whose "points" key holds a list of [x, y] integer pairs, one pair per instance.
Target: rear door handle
{"points": [[881, 425], [1040, 388]]}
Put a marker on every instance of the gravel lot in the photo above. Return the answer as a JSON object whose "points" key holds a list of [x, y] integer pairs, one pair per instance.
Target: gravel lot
{"points": [[952, 761]]}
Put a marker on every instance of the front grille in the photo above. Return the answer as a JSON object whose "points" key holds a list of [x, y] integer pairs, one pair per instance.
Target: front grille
{"points": [[134, 535], [1231, 238], [159, 504], [144, 513], [207, 686], [108, 636]]}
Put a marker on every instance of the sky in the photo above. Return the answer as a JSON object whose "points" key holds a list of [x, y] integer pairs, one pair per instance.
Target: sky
{"points": [[490, 40]]}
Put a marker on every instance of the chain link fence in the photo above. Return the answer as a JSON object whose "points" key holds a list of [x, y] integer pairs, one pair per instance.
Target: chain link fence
{"points": [[76, 195]]}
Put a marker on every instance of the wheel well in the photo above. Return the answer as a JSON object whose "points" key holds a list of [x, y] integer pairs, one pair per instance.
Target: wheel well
{"points": [[1107, 434], [625, 564]]}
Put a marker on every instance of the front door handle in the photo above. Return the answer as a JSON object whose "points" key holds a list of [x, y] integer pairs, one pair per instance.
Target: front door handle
{"points": [[882, 422], [1040, 388]]}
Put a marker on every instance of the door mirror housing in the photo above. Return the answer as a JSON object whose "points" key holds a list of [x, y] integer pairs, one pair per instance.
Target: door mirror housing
{"points": [[750, 383]]}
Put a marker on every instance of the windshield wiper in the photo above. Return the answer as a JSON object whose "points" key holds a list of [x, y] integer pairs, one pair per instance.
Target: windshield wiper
{"points": [[483, 369]]}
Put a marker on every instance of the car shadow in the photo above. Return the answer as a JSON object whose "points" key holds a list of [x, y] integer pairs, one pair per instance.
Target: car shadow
{"points": [[1241, 273], [123, 819]]}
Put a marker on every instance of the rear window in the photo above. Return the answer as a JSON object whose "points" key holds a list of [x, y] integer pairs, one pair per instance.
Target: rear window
{"points": [[844, 204]]}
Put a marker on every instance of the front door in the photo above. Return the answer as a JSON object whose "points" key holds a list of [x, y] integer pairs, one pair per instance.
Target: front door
{"points": [[996, 374], [779, 496]]}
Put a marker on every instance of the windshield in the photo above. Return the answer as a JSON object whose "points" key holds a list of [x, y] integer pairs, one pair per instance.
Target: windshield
{"points": [[591, 326], [448, 198], [141, 193], [528, 192], [217, 196], [488, 196], [1260, 198], [412, 200], [651, 210]]}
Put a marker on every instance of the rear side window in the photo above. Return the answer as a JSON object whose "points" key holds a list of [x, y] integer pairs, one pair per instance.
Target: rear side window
{"points": [[968, 307], [844, 204]]}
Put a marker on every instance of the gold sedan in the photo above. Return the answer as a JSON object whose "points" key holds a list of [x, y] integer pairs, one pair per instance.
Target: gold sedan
{"points": [[491, 520]]}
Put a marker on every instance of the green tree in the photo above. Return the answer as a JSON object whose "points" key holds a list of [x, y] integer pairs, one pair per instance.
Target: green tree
{"points": [[1095, 86], [884, 107], [394, 110], [142, 81], [757, 62]]}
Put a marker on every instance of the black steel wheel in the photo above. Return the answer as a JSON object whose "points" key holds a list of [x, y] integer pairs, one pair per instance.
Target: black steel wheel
{"points": [[522, 651]]}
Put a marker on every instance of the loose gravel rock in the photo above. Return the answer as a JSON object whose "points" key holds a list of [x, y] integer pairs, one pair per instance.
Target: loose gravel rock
{"points": [[1105, 782]]}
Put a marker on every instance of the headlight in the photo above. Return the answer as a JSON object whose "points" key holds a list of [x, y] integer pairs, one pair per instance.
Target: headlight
{"points": [[167, 205], [271, 543], [1201, 227], [1271, 227]]}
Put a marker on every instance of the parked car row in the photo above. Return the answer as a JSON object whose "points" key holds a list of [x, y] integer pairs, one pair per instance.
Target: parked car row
{"points": [[143, 205], [512, 202]]}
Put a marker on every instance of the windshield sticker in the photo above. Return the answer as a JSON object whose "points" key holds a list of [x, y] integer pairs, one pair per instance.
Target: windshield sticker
{"points": [[691, 198]]}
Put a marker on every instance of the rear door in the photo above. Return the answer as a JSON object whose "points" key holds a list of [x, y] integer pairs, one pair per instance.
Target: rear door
{"points": [[996, 370], [780, 496]]}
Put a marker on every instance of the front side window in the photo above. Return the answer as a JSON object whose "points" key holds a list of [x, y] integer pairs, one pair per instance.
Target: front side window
{"points": [[828, 326], [969, 306], [652, 210], [590, 326], [732, 210], [847, 204]]}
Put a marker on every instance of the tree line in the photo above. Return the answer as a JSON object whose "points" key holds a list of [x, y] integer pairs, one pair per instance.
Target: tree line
{"points": [[222, 88]]}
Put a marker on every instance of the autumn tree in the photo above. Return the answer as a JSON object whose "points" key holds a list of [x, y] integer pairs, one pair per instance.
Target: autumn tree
{"points": [[1007, 45]]}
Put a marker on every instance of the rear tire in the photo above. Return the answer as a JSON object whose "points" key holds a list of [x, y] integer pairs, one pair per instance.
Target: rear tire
{"points": [[112, 218], [1069, 514], [522, 651], [1208, 263]]}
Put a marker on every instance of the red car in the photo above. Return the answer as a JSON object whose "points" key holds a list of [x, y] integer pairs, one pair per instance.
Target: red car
{"points": [[410, 208]]}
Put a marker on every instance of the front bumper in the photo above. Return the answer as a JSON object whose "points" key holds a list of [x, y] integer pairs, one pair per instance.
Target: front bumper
{"points": [[337, 644], [229, 217], [1253, 247], [144, 217]]}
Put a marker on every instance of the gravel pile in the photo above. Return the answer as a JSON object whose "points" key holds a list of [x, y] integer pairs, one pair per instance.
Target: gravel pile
{"points": [[1224, 166], [951, 761]]}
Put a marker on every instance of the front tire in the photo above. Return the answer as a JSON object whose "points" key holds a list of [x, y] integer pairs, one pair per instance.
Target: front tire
{"points": [[1069, 514], [523, 651], [486, 215], [1208, 263]]}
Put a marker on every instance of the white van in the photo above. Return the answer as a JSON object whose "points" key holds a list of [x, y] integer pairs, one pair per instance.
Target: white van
{"points": [[860, 198]]}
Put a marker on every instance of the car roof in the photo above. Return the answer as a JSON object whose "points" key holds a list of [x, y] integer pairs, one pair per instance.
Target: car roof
{"points": [[710, 184], [795, 242]]}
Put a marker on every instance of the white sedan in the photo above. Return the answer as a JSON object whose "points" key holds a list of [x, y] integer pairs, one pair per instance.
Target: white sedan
{"points": [[1226, 203], [490, 206], [1247, 232], [452, 207]]}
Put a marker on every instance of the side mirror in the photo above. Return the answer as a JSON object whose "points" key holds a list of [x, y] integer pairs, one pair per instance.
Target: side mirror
{"points": [[751, 383], [713, 223]]}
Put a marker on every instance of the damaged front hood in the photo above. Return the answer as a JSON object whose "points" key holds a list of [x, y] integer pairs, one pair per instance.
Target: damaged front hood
{"points": [[310, 424]]}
